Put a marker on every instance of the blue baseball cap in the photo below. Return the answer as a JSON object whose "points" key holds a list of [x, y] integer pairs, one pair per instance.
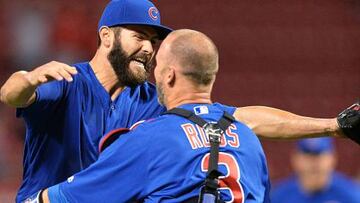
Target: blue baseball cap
{"points": [[316, 145], [133, 12]]}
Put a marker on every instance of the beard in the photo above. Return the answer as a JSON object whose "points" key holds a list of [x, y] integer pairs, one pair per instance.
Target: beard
{"points": [[160, 93], [120, 62]]}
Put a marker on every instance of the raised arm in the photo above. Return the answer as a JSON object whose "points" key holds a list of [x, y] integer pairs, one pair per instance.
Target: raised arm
{"points": [[19, 89], [269, 122]]}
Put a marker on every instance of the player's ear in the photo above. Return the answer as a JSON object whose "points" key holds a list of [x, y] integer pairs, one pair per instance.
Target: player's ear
{"points": [[170, 76], [105, 36]]}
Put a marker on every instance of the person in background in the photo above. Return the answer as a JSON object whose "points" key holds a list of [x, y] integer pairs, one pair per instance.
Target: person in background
{"points": [[315, 179]]}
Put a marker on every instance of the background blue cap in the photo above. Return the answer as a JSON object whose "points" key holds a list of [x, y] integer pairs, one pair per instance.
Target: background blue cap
{"points": [[133, 12], [316, 145]]}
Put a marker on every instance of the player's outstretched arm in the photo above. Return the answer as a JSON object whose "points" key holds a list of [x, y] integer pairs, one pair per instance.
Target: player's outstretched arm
{"points": [[269, 122], [19, 89]]}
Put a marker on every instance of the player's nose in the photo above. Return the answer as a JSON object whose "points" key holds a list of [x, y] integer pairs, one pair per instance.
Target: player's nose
{"points": [[147, 47]]}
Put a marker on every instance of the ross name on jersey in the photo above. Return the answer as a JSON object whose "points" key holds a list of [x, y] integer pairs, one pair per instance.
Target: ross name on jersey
{"points": [[198, 139]]}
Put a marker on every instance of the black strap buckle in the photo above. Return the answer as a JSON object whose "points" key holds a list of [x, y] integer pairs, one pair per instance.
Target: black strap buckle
{"points": [[213, 131]]}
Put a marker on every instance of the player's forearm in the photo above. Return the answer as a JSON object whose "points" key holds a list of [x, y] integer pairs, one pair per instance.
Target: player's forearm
{"points": [[274, 123], [303, 127], [18, 91]]}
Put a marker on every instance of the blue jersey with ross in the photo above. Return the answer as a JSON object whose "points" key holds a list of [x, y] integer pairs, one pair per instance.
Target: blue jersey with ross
{"points": [[166, 159], [340, 190], [67, 120]]}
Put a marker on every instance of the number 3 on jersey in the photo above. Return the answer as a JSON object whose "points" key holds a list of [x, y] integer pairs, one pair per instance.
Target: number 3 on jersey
{"points": [[231, 180]]}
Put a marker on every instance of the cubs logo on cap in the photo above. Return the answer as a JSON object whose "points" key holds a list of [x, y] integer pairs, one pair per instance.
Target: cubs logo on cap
{"points": [[153, 13], [133, 12]]}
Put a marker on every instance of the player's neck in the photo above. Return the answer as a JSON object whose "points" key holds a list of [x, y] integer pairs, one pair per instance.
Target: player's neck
{"points": [[106, 75], [188, 98], [186, 92]]}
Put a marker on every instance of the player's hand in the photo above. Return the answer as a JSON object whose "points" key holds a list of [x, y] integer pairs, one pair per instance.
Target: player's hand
{"points": [[349, 122], [51, 71]]}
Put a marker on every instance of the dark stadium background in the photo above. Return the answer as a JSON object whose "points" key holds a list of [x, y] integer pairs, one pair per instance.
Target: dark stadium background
{"points": [[301, 56]]}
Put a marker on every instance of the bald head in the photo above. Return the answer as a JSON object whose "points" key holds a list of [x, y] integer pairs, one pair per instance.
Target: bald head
{"points": [[195, 53], [187, 63]]}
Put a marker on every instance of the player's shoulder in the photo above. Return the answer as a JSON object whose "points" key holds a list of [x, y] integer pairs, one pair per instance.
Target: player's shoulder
{"points": [[340, 185], [343, 181], [169, 121], [285, 185], [83, 68], [86, 78], [288, 188], [229, 109], [84, 71], [158, 126], [161, 121]]}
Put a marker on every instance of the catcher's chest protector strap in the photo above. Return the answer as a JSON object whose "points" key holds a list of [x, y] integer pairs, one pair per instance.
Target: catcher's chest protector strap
{"points": [[214, 131]]}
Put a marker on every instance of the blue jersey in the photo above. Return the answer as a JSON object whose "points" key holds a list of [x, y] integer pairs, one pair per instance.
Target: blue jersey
{"points": [[339, 190], [67, 120], [166, 160]]}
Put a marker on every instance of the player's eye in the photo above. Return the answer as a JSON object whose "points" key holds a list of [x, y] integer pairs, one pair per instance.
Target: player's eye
{"points": [[139, 37], [155, 42]]}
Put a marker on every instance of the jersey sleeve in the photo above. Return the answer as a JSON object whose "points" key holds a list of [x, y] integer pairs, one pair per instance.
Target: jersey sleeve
{"points": [[119, 175], [48, 96], [229, 109]]}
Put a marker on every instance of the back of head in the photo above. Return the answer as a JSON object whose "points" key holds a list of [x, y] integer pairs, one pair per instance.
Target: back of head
{"points": [[196, 54]]}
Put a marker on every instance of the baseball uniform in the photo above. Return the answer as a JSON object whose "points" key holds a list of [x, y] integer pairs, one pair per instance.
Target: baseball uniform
{"points": [[166, 159]]}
